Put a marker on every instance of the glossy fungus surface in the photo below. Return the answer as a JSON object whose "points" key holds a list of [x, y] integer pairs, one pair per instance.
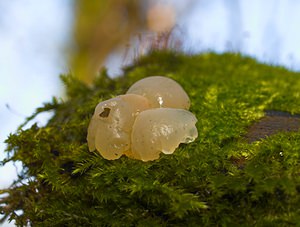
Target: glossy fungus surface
{"points": [[161, 92], [152, 118], [162, 130], [110, 127]]}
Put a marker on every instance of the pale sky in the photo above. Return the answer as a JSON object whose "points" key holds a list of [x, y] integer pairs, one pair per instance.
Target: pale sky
{"points": [[33, 34]]}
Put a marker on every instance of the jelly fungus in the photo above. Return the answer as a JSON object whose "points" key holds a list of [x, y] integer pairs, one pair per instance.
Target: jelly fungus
{"points": [[161, 92], [151, 118], [161, 130], [110, 128]]}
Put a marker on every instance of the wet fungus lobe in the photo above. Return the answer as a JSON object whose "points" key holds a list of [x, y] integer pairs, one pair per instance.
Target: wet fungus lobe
{"points": [[152, 117], [161, 130], [161, 92], [110, 128]]}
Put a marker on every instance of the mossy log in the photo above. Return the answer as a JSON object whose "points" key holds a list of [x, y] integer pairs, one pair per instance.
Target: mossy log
{"points": [[221, 179]]}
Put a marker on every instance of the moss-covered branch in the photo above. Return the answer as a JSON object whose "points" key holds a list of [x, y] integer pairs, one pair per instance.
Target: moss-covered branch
{"points": [[221, 179]]}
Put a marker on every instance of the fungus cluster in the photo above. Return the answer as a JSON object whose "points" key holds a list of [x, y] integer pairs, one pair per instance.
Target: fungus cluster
{"points": [[152, 117]]}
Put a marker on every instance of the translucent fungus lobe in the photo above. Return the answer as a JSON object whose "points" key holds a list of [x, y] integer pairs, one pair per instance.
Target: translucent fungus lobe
{"points": [[161, 92], [110, 128], [161, 130]]}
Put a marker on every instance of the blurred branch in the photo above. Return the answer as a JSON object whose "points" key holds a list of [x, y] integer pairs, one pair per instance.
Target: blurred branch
{"points": [[99, 27]]}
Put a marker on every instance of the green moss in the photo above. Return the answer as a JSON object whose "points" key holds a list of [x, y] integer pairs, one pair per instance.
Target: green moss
{"points": [[218, 180]]}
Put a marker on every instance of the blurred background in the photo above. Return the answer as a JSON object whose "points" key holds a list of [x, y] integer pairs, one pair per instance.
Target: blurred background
{"points": [[41, 39]]}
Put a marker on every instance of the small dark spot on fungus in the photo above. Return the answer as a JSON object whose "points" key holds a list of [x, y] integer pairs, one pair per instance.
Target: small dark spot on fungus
{"points": [[105, 112]]}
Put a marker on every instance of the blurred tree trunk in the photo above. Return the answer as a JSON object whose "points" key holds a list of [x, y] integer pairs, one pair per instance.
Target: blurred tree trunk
{"points": [[99, 27]]}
